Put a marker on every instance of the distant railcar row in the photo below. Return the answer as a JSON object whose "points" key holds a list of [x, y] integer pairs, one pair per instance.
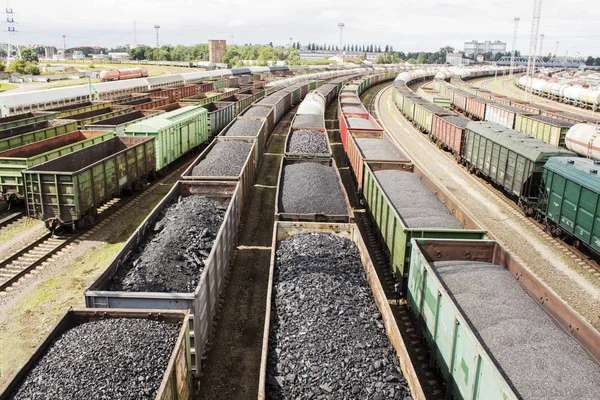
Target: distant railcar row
{"points": [[109, 91], [448, 271], [560, 193], [576, 94], [36, 165]]}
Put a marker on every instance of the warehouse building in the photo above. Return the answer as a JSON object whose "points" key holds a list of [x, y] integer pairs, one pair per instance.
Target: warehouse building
{"points": [[475, 47]]}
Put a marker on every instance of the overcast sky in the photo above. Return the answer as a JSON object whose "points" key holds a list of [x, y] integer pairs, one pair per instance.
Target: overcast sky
{"points": [[408, 25]]}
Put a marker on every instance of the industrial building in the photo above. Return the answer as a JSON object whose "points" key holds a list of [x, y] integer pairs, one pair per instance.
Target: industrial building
{"points": [[475, 47]]}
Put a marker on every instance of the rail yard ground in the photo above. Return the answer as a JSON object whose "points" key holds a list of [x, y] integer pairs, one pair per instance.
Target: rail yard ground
{"points": [[36, 302], [572, 279]]}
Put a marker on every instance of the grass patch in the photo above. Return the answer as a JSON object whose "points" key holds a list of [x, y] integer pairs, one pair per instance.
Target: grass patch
{"points": [[7, 86], [16, 228]]}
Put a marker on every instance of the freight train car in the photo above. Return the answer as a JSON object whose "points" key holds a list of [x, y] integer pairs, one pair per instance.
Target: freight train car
{"points": [[149, 337], [177, 133], [70, 189], [405, 204], [308, 260], [48, 131], [14, 161], [509, 159], [203, 215], [569, 204], [466, 296]]}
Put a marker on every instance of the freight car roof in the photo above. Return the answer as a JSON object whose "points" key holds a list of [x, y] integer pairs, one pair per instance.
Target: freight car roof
{"points": [[578, 170], [552, 121], [509, 108], [530, 148], [163, 121], [457, 120], [435, 108]]}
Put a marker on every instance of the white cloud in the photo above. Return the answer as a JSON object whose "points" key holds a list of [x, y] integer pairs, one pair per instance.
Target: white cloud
{"points": [[408, 25]]}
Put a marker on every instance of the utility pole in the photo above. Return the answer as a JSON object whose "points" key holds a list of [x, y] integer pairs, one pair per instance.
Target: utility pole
{"points": [[514, 45], [157, 27], [535, 28], [65, 44], [542, 46], [231, 39], [135, 33], [12, 32], [556, 50], [341, 25], [291, 42]]}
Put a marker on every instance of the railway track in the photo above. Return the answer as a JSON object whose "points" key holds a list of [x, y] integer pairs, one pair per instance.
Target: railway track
{"points": [[9, 217], [583, 260], [27, 260]]}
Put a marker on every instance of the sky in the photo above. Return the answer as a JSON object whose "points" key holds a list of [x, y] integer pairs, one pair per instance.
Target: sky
{"points": [[407, 25]]}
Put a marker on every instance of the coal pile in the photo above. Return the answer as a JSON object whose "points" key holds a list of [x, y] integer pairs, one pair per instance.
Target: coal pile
{"points": [[271, 100], [540, 359], [118, 358], [258, 111], [353, 110], [245, 127], [327, 339], [174, 255], [311, 188], [360, 123], [308, 141], [379, 149], [309, 121], [226, 158], [417, 205]]}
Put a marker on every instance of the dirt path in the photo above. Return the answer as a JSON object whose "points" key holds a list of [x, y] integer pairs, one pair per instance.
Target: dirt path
{"points": [[231, 369]]}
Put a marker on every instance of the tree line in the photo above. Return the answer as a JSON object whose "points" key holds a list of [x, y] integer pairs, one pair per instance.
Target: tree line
{"points": [[369, 48]]}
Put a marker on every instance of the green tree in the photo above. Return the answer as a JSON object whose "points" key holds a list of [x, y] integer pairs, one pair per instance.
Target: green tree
{"points": [[29, 55], [421, 58], [590, 61]]}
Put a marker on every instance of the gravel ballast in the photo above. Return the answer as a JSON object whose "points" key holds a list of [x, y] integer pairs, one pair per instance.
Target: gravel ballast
{"points": [[326, 339], [226, 158], [379, 149], [360, 123], [174, 255], [257, 111], [311, 188], [245, 127], [538, 357], [309, 121], [416, 204], [308, 141], [118, 358]]}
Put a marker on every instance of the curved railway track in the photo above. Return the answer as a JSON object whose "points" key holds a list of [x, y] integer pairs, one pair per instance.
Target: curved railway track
{"points": [[28, 259], [583, 259]]}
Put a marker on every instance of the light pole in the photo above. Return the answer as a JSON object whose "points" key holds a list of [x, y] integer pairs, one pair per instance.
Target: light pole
{"points": [[341, 25], [157, 27], [514, 45], [65, 43], [556, 50]]}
